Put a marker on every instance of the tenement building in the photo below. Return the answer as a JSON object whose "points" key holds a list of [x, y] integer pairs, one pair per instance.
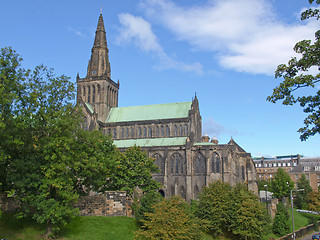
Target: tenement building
{"points": [[169, 133]]}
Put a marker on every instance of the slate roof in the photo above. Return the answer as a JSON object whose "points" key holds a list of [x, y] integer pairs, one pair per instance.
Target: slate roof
{"points": [[150, 142], [149, 112]]}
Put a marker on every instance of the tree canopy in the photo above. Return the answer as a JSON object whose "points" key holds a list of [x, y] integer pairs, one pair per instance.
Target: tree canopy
{"points": [[301, 73], [281, 184]]}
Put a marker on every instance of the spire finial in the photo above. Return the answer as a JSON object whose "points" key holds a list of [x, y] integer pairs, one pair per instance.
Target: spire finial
{"points": [[101, 9]]}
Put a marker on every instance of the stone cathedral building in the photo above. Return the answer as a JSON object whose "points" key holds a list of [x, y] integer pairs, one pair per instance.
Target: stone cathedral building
{"points": [[169, 133]]}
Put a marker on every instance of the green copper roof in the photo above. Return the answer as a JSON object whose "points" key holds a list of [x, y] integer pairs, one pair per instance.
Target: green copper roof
{"points": [[149, 112], [150, 142], [89, 106]]}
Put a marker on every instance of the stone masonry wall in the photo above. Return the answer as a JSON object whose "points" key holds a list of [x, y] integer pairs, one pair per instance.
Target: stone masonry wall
{"points": [[107, 204]]}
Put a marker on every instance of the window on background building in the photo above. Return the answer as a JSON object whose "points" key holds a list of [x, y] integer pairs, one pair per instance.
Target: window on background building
{"points": [[139, 132], [308, 177], [175, 130], [317, 168], [259, 165], [270, 164], [274, 164], [186, 129], [279, 164], [294, 164], [296, 176], [260, 176], [283, 164], [289, 164], [270, 175], [265, 165], [256, 165], [181, 130], [306, 169], [318, 176], [127, 132], [122, 133], [89, 94]]}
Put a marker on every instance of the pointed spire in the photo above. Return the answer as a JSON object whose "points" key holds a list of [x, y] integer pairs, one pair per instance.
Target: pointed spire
{"points": [[99, 62]]}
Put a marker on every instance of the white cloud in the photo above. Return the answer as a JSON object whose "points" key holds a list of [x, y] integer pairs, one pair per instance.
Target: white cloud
{"points": [[138, 30], [76, 32], [245, 34]]}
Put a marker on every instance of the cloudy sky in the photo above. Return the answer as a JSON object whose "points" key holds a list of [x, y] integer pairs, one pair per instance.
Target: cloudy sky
{"points": [[163, 51]]}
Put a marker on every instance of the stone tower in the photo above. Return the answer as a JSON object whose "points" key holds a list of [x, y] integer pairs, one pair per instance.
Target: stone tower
{"points": [[97, 90]]}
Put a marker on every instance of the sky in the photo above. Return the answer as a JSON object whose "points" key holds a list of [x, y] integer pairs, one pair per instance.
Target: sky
{"points": [[163, 51]]}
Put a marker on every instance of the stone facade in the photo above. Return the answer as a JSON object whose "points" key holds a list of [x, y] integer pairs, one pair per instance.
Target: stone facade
{"points": [[108, 204], [169, 133]]}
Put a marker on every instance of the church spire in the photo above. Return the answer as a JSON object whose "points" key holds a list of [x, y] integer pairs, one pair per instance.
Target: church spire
{"points": [[99, 62]]}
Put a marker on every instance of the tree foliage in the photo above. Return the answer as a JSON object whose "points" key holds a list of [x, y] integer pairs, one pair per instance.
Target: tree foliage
{"points": [[170, 220], [298, 74], [281, 221], [313, 201], [236, 210], [46, 159], [134, 170], [145, 205], [281, 184], [301, 196]]}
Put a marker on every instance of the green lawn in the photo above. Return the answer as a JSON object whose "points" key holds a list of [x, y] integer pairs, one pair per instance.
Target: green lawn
{"points": [[88, 228]]}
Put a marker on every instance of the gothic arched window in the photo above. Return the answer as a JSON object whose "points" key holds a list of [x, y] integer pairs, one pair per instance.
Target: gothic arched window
{"points": [[177, 164], [175, 130], [145, 132], [160, 163], [93, 94], [200, 165], [150, 132], [181, 130], [114, 133], [99, 91], [243, 173], [122, 133], [132, 132], [158, 131], [168, 131], [127, 132], [89, 94], [162, 131], [139, 132], [215, 163]]}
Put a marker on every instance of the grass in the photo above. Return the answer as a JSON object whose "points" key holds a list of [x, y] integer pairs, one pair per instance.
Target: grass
{"points": [[88, 228]]}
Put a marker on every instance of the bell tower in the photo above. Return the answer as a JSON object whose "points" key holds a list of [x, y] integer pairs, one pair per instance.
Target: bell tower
{"points": [[97, 90]]}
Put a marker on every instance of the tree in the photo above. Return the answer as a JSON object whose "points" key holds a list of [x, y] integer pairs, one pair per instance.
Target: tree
{"points": [[313, 201], [281, 184], [281, 221], [301, 196], [262, 183], [134, 170], [215, 208], [250, 219], [47, 160], [145, 205], [170, 220], [297, 75]]}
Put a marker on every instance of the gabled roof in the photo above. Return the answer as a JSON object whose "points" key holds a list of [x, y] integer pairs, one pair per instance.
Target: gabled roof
{"points": [[149, 112], [150, 142]]}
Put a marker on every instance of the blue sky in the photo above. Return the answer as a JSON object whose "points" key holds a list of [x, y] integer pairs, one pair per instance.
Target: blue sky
{"points": [[163, 51]]}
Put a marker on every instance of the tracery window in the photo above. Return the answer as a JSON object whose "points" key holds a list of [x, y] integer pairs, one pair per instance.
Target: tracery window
{"points": [[200, 165], [177, 164], [215, 163], [160, 163]]}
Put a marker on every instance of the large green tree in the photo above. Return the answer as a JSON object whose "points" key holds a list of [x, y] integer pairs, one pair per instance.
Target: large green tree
{"points": [[47, 160], [134, 170], [299, 73], [281, 184], [300, 200]]}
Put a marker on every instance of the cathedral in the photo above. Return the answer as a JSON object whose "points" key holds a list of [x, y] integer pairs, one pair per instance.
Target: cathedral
{"points": [[169, 133]]}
